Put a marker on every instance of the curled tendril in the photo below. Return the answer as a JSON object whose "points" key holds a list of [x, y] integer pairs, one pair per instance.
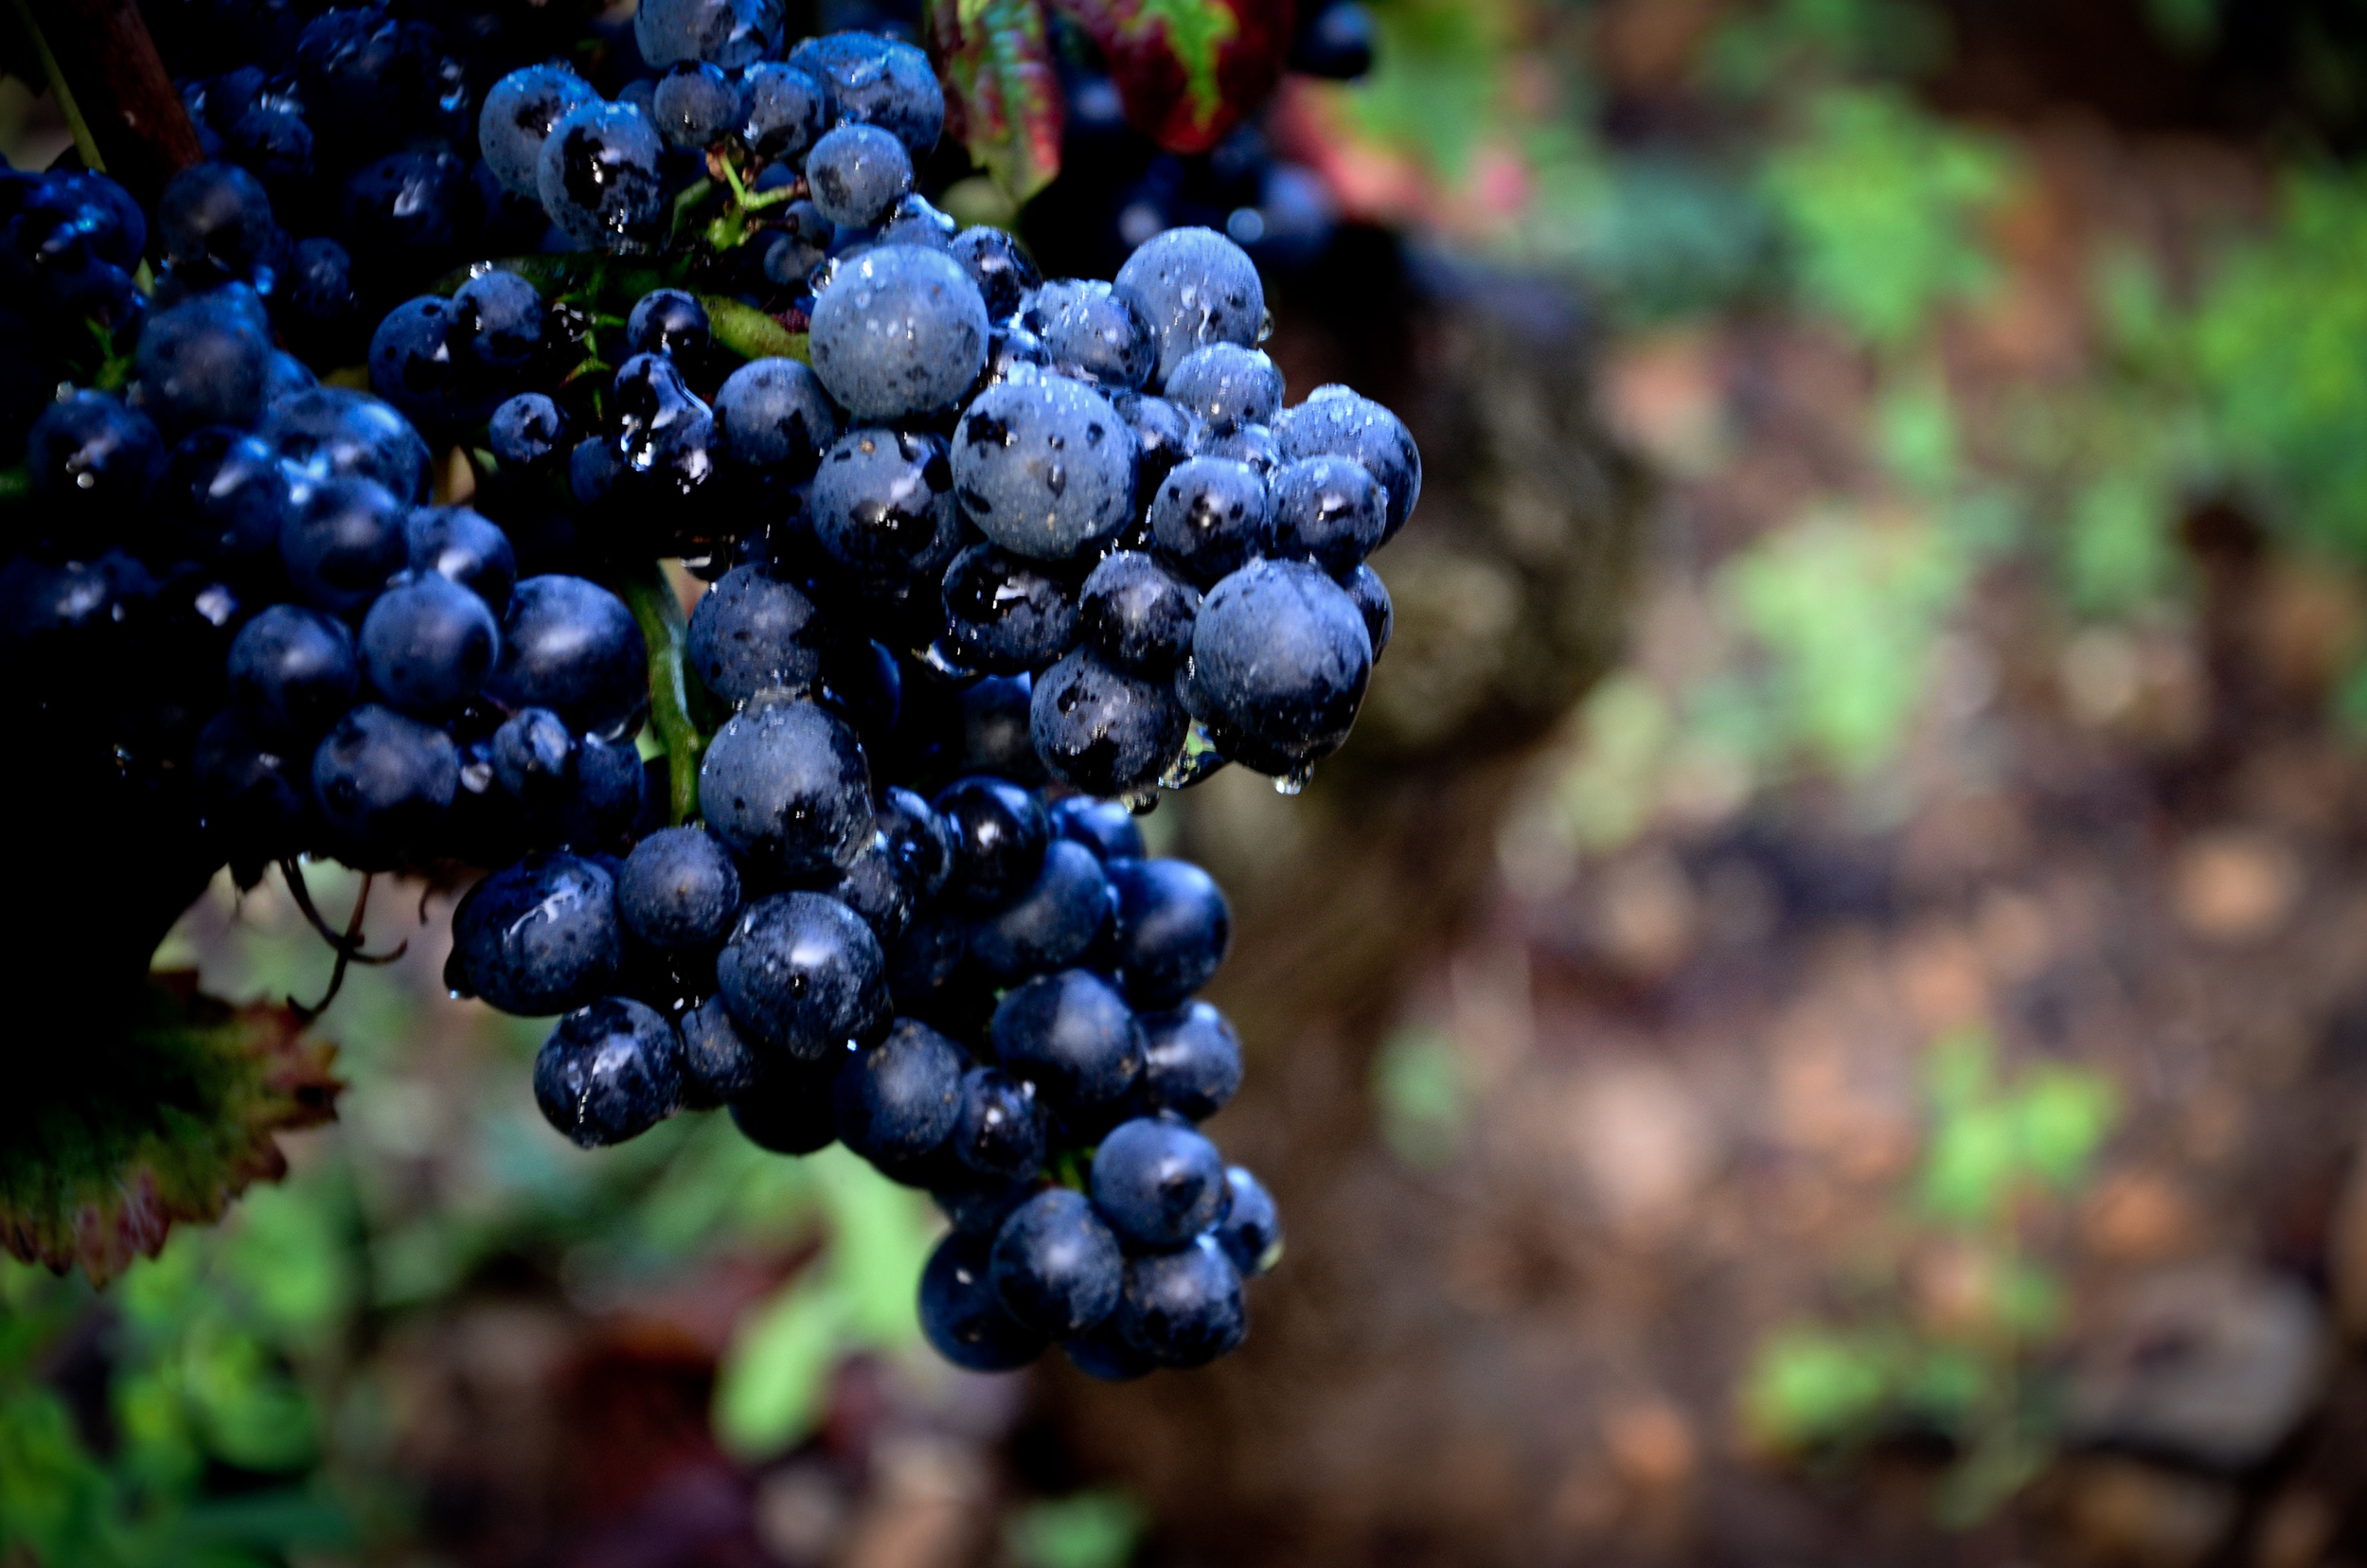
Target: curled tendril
{"points": [[347, 945]]}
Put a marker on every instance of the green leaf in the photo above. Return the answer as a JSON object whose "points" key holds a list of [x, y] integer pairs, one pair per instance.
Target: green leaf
{"points": [[749, 332], [2065, 1113], [1004, 98], [163, 1113]]}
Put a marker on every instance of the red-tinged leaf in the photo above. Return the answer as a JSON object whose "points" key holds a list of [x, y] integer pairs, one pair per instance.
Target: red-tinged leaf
{"points": [[162, 1112], [1189, 70], [1002, 97]]}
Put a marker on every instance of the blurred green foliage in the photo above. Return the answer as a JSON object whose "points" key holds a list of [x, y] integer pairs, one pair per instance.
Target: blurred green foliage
{"points": [[1419, 1085], [1095, 1529], [1881, 205], [1954, 1360]]}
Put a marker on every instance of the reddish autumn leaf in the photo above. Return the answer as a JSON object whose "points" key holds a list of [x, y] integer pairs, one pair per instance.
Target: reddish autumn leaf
{"points": [[1002, 97], [1190, 70], [162, 1112]]}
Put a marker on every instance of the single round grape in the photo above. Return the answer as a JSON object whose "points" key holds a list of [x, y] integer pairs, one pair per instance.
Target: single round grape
{"points": [[1045, 469], [998, 1128], [1335, 423], [597, 176], [1209, 518], [501, 319], [1197, 288], [1004, 613], [384, 781], [1000, 265], [526, 430], [416, 364], [1327, 510], [666, 436], [1095, 331], [465, 546], [917, 221], [541, 936], [1253, 444], [335, 433], [994, 737], [751, 633], [696, 104], [1250, 1233], [857, 173], [1013, 353], [609, 1072], [925, 957], [1157, 1184], [730, 33], [534, 756], [343, 544], [1054, 1266], [873, 888], [1172, 930], [877, 81], [785, 784], [204, 362], [419, 203], [1137, 617], [788, 1112], [1192, 1060], [571, 645], [1371, 597], [1104, 1357], [249, 791], [1052, 923], [1104, 826], [216, 215], [784, 110], [1182, 1308], [961, 1316], [999, 834], [901, 1099], [976, 1206], [679, 888], [426, 643], [520, 112], [1104, 731], [1164, 434], [883, 507], [1227, 385], [718, 1061], [772, 414], [1280, 661], [291, 672], [318, 305], [222, 499], [918, 840], [91, 456], [1071, 1035], [900, 330], [803, 975], [670, 322], [1335, 41]]}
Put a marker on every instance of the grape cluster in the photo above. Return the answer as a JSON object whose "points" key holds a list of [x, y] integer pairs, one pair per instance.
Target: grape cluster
{"points": [[987, 996], [987, 560]]}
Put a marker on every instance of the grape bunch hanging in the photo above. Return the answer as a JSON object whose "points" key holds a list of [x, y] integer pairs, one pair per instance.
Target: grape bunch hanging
{"points": [[983, 562]]}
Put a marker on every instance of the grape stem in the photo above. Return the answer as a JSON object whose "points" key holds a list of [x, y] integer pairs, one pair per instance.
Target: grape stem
{"points": [[75, 124], [659, 613]]}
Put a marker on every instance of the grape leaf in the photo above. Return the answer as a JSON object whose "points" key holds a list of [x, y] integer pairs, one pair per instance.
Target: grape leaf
{"points": [[1189, 70], [1003, 98], [116, 1127]]}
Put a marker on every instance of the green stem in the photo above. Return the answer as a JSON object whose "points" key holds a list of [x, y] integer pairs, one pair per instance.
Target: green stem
{"points": [[659, 613], [84, 142]]}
